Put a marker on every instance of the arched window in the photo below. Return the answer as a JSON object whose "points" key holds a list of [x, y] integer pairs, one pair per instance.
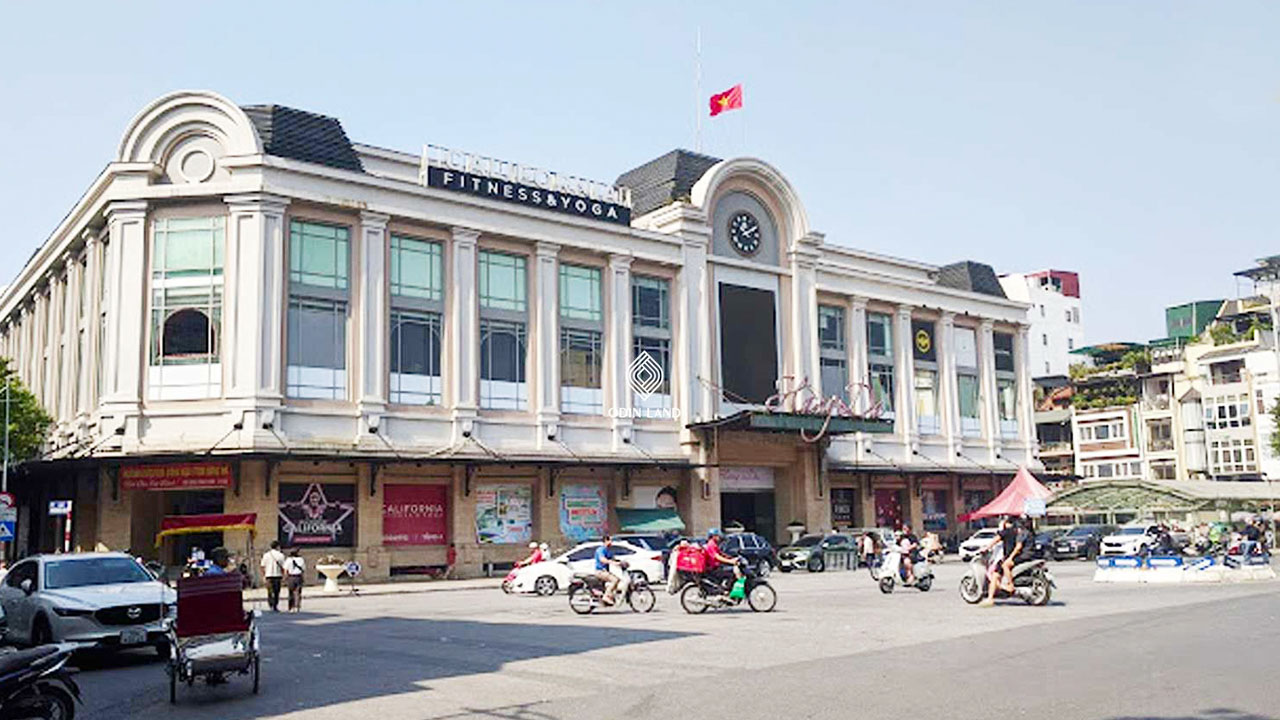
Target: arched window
{"points": [[186, 334]]}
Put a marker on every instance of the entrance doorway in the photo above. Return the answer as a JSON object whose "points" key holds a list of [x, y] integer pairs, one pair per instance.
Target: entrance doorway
{"points": [[747, 499], [753, 510]]}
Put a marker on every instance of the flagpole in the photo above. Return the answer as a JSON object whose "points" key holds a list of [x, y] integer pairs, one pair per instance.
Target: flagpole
{"points": [[697, 93]]}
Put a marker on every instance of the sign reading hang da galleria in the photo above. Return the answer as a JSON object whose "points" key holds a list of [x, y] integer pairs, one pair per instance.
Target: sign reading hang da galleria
{"points": [[523, 185]]}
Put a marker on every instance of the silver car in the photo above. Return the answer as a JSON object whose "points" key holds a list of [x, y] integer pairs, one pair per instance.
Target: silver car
{"points": [[106, 600]]}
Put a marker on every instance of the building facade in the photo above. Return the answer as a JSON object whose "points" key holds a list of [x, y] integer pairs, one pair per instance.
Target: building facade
{"points": [[1054, 316], [383, 354]]}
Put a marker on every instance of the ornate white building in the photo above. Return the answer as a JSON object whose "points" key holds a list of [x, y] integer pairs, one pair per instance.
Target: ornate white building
{"points": [[248, 313]]}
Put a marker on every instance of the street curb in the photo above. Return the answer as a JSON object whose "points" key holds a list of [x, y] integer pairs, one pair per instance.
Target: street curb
{"points": [[317, 594]]}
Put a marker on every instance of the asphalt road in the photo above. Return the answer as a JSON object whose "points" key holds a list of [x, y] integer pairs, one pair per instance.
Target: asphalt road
{"points": [[835, 648]]}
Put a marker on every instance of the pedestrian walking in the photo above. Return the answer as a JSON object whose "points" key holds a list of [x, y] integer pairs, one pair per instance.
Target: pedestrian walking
{"points": [[295, 569], [273, 571]]}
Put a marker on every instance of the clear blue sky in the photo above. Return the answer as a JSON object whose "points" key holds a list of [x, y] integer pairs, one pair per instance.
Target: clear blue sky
{"points": [[1134, 142]]}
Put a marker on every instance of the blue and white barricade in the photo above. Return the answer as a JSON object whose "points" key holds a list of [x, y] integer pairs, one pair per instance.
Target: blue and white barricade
{"points": [[1177, 569]]}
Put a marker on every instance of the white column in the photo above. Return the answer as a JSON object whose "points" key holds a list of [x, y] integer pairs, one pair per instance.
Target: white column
{"points": [[372, 331], [69, 381], [693, 342], [1022, 365], [57, 321], [948, 391], [804, 310], [908, 432], [617, 340], [987, 383], [88, 373], [546, 341], [861, 397], [254, 311], [462, 327], [126, 317]]}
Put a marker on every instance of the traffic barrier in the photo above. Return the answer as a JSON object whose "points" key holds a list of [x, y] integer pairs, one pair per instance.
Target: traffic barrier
{"points": [[1161, 569], [839, 560]]}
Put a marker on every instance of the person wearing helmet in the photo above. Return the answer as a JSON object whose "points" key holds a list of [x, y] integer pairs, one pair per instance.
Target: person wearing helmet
{"points": [[536, 554], [717, 560]]}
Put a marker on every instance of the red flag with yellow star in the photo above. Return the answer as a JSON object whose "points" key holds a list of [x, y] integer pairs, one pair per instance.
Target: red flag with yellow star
{"points": [[730, 99]]}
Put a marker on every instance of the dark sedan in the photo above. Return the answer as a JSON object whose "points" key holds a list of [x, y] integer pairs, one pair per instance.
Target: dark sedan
{"points": [[1081, 541]]}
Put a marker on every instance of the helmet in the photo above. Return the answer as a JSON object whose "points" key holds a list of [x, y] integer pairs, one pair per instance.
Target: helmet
{"points": [[533, 546], [713, 532]]}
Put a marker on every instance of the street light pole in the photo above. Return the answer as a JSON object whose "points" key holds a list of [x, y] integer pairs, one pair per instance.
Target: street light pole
{"points": [[4, 474]]}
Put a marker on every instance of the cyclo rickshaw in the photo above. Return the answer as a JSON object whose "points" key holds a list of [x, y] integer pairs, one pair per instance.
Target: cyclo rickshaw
{"points": [[213, 636]]}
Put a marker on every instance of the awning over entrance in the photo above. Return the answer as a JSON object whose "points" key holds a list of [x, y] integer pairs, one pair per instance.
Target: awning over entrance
{"points": [[187, 524], [649, 520], [763, 421]]}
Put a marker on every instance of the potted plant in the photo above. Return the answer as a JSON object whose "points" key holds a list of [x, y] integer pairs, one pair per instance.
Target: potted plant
{"points": [[331, 567]]}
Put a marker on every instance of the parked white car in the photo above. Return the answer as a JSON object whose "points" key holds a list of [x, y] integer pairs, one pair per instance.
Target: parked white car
{"points": [[103, 599], [1130, 540], [976, 542], [546, 577]]}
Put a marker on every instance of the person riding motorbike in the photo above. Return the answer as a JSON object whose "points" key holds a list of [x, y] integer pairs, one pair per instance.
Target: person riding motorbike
{"points": [[908, 544], [536, 555], [1011, 540], [716, 560], [605, 563]]}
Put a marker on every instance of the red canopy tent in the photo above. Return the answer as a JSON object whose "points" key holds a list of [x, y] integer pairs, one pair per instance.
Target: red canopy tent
{"points": [[1012, 501]]}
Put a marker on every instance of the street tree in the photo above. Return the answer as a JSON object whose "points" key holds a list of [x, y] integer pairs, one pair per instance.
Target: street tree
{"points": [[28, 422]]}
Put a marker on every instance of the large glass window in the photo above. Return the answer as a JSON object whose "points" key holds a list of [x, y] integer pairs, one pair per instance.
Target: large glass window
{"points": [[833, 351], [967, 385], [926, 387], [186, 308], [1003, 343], [581, 340], [417, 306], [651, 335], [1007, 403], [881, 361], [417, 268], [317, 318], [504, 306], [317, 367], [503, 282], [415, 358], [503, 345], [318, 255]]}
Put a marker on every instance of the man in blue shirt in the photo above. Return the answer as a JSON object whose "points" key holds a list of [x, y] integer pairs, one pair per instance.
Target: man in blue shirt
{"points": [[605, 562]]}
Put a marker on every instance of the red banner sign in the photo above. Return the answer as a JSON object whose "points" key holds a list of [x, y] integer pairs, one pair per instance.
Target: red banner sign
{"points": [[178, 476], [414, 515]]}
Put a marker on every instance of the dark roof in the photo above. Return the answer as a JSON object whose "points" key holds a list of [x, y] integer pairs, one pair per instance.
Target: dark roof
{"points": [[972, 276], [664, 180], [301, 135]]}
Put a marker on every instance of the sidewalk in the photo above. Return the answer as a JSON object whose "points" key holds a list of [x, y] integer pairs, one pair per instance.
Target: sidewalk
{"points": [[315, 590]]}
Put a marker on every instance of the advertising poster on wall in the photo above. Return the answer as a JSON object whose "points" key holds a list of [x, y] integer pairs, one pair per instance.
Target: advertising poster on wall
{"points": [[888, 507], [583, 515], [504, 514], [842, 506], [317, 514], [934, 504], [414, 514]]}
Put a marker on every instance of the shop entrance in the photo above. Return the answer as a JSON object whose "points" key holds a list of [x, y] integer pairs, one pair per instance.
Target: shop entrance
{"points": [[152, 506], [747, 499]]}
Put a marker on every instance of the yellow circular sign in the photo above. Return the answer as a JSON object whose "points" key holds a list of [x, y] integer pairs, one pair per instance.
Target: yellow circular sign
{"points": [[923, 341]]}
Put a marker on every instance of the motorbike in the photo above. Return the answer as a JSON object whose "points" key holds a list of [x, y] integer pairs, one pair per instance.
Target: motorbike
{"points": [[892, 572], [702, 592], [35, 684], [586, 593], [1032, 581]]}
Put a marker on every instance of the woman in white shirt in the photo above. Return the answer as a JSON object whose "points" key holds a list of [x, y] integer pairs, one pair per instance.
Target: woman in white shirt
{"points": [[295, 569]]}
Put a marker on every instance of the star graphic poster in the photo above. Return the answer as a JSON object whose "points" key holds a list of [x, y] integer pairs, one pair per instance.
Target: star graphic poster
{"points": [[317, 514]]}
